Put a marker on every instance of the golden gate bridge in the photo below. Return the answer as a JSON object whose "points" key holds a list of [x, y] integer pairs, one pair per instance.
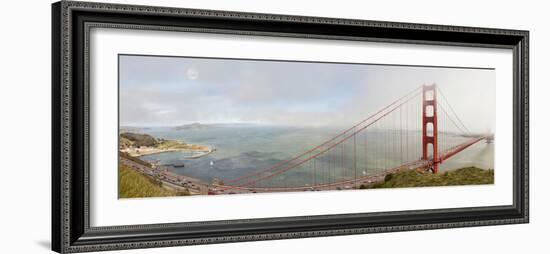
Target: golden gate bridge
{"points": [[414, 132]]}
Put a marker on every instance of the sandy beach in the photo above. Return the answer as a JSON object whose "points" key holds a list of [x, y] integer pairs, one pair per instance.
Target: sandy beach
{"points": [[136, 152]]}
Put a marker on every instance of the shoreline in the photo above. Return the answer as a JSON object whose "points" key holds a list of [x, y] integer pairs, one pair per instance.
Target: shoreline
{"points": [[139, 152], [136, 145]]}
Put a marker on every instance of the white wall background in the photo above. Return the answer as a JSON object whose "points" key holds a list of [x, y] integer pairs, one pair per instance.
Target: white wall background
{"points": [[25, 125]]}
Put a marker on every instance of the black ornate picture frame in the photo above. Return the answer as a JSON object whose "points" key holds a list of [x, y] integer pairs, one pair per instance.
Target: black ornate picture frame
{"points": [[71, 23]]}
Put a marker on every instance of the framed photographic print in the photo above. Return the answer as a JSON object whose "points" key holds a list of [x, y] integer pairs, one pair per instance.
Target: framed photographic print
{"points": [[181, 126]]}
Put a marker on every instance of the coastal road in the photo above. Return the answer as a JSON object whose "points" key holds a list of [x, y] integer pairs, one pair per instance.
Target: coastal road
{"points": [[170, 179]]}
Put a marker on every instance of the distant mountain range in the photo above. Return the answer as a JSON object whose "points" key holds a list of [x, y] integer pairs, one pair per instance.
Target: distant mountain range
{"points": [[193, 126], [123, 129]]}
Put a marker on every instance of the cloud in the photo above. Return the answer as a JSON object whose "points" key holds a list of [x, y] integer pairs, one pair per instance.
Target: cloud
{"points": [[192, 73], [173, 90]]}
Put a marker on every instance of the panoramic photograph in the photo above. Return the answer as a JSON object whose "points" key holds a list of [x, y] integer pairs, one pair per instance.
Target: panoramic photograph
{"points": [[214, 126]]}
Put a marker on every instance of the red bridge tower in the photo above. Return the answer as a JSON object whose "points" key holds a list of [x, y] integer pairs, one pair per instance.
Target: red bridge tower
{"points": [[429, 117]]}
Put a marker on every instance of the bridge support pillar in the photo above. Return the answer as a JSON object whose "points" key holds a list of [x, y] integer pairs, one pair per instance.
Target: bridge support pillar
{"points": [[429, 118]]}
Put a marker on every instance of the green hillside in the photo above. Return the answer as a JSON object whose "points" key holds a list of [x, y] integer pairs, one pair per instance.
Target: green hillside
{"points": [[412, 178], [133, 184], [135, 139]]}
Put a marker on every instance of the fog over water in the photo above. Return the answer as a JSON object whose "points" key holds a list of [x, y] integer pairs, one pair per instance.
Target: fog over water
{"points": [[169, 91]]}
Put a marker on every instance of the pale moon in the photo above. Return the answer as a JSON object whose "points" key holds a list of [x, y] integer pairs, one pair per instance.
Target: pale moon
{"points": [[192, 74]]}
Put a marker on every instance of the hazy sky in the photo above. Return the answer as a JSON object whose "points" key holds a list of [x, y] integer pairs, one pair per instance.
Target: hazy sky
{"points": [[169, 91]]}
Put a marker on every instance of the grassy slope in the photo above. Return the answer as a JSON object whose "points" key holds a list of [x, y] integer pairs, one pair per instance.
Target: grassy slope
{"points": [[138, 140], [134, 159], [463, 176], [133, 184]]}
